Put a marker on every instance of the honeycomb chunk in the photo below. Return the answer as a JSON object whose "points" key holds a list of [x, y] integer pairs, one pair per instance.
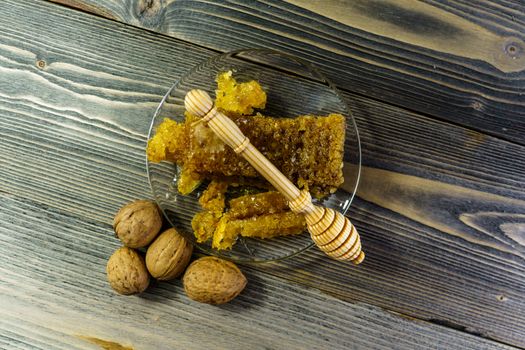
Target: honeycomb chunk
{"points": [[238, 98]]}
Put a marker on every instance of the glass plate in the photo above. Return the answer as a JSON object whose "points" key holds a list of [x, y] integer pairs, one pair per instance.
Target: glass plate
{"points": [[294, 87]]}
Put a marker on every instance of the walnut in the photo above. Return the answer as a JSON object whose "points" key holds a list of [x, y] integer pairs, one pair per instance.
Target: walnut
{"points": [[213, 281], [126, 271], [168, 255], [137, 223]]}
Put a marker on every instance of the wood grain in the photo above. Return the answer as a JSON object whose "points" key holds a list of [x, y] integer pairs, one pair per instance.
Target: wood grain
{"points": [[460, 61], [72, 138], [54, 295], [482, 222]]}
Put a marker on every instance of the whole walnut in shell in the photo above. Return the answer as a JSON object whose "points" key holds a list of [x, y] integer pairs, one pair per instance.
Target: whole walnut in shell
{"points": [[213, 281], [168, 255], [137, 223], [126, 271]]}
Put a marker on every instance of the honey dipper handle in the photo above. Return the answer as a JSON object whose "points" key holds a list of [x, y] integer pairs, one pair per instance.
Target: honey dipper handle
{"points": [[199, 103]]}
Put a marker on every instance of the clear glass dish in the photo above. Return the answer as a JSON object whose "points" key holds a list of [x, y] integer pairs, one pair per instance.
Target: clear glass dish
{"points": [[294, 87]]}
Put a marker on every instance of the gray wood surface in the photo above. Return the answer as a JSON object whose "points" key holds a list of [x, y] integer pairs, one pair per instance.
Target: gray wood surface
{"points": [[461, 61], [76, 96], [53, 292]]}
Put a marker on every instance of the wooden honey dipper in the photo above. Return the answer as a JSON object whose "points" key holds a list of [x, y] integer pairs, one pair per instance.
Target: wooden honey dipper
{"points": [[331, 231]]}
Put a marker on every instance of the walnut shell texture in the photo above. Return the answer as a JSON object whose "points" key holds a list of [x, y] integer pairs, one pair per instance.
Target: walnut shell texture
{"points": [[168, 255], [213, 281], [137, 223], [126, 272]]}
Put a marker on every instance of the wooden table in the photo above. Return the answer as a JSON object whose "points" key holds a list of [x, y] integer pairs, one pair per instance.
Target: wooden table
{"points": [[438, 91]]}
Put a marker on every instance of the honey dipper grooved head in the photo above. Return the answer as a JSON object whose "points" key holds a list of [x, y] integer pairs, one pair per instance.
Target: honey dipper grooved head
{"points": [[198, 102], [337, 237]]}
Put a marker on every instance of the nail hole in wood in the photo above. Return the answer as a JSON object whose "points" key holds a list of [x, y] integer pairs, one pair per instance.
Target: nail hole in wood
{"points": [[478, 106], [502, 298], [513, 49]]}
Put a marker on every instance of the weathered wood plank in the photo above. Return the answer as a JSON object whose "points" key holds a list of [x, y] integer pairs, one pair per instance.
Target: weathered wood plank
{"points": [[82, 120], [459, 61], [53, 292]]}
